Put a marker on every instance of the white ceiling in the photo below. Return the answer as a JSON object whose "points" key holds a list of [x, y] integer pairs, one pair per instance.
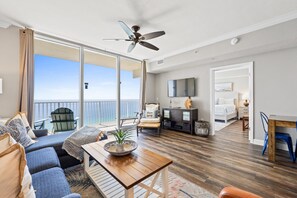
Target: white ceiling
{"points": [[186, 23]]}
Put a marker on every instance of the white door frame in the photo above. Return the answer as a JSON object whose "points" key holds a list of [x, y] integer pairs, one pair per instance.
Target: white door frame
{"points": [[250, 67]]}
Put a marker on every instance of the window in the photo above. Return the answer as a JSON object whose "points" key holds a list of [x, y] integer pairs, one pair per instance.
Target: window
{"points": [[92, 96]]}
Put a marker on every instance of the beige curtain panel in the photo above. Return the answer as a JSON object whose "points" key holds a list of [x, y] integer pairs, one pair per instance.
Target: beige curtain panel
{"points": [[27, 73], [142, 86]]}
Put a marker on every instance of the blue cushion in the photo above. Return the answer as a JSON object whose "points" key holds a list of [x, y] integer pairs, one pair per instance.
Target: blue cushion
{"points": [[50, 183], [55, 141], [42, 159]]}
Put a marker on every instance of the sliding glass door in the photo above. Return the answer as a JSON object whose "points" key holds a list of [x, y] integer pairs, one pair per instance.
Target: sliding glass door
{"points": [[130, 88], [99, 89], [57, 72], [92, 84]]}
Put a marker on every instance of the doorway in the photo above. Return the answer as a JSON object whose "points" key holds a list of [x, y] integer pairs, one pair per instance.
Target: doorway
{"points": [[231, 100]]}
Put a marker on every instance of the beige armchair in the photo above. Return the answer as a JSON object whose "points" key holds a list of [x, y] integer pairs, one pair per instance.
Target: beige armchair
{"points": [[150, 118], [151, 113]]}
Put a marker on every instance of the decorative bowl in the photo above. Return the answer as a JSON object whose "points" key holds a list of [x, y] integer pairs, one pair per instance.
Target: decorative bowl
{"points": [[120, 150]]}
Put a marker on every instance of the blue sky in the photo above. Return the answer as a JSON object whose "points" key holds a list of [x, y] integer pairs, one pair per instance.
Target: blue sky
{"points": [[58, 79]]}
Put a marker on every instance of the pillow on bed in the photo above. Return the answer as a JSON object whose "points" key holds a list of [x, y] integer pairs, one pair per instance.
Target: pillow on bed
{"points": [[229, 101], [221, 101]]}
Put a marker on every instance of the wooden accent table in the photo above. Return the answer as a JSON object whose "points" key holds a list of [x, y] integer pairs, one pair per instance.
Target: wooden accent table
{"points": [[245, 122], [277, 121], [127, 176], [152, 125]]}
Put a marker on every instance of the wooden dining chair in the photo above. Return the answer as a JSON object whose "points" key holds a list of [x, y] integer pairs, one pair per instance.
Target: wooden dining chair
{"points": [[281, 136]]}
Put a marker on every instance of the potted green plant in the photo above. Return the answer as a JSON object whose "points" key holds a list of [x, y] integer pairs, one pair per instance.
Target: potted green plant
{"points": [[120, 136]]}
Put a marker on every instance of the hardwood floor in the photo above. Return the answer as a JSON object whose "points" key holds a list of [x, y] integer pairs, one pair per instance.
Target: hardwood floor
{"points": [[225, 159]]}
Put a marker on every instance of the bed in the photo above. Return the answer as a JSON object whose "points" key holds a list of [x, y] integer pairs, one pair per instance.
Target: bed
{"points": [[226, 108]]}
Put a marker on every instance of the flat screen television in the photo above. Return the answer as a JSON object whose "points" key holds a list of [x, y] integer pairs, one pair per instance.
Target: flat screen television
{"points": [[181, 87]]}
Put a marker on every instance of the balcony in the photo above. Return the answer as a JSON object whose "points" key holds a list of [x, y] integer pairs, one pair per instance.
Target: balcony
{"points": [[99, 113]]}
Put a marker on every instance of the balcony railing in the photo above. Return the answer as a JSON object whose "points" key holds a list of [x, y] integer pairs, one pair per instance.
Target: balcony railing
{"points": [[96, 112]]}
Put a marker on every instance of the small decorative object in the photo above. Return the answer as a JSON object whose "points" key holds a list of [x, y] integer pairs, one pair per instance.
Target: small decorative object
{"points": [[188, 103], [86, 85], [202, 128], [122, 146], [245, 97]]}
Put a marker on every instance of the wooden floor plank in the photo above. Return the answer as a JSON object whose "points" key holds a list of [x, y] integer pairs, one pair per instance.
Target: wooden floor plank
{"points": [[225, 159]]}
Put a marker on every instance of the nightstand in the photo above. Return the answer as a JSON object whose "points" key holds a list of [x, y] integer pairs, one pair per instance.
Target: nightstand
{"points": [[243, 111]]}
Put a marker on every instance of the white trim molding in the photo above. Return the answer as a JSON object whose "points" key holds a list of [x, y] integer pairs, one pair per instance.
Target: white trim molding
{"points": [[4, 24], [280, 145], [265, 24], [250, 67]]}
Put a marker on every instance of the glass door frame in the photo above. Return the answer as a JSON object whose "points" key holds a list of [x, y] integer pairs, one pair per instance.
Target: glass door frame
{"points": [[81, 48]]}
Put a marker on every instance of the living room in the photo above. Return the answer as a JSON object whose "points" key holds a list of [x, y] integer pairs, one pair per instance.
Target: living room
{"points": [[105, 79]]}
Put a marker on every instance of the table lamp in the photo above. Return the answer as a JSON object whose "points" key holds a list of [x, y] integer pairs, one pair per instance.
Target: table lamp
{"points": [[245, 97]]}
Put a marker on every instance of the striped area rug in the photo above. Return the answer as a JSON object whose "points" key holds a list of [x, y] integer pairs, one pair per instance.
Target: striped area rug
{"points": [[178, 186]]}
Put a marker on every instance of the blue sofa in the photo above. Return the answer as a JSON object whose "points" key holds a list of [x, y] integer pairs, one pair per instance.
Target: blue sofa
{"points": [[48, 177], [56, 141]]}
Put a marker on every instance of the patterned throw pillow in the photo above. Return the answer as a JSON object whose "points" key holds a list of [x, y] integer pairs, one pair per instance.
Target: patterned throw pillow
{"points": [[101, 136], [15, 179], [26, 124], [151, 114], [18, 131]]}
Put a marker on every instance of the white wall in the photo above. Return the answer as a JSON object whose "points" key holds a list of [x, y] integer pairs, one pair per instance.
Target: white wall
{"points": [[150, 89], [275, 84], [9, 71], [201, 74]]}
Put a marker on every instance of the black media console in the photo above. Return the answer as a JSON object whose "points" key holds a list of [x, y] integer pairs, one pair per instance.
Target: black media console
{"points": [[180, 119]]}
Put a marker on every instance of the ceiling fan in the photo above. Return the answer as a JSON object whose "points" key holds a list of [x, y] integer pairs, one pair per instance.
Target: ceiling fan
{"points": [[136, 37]]}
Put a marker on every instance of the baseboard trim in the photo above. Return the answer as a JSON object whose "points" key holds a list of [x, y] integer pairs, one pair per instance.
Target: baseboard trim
{"points": [[257, 142], [279, 145]]}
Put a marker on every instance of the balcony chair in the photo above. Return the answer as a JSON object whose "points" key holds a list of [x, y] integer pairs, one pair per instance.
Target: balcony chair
{"points": [[63, 120], [280, 136], [135, 118], [40, 124]]}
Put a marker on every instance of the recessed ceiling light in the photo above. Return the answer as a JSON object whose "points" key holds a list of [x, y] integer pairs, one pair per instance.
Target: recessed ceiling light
{"points": [[234, 41]]}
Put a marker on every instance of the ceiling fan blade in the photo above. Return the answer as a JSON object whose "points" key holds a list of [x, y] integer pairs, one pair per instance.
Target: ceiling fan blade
{"points": [[127, 29], [152, 35], [131, 46], [117, 39], [148, 45]]}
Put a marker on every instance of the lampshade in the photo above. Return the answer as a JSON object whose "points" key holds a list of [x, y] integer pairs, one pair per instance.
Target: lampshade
{"points": [[1, 86], [245, 96]]}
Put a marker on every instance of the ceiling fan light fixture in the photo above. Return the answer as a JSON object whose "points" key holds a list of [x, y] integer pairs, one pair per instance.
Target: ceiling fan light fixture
{"points": [[138, 38]]}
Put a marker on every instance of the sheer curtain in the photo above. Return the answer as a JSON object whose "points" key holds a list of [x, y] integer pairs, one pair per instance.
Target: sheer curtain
{"points": [[142, 86], [27, 73]]}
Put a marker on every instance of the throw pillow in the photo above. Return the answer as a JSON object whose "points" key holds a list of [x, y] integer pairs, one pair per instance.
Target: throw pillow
{"points": [[229, 101], [27, 125], [15, 179], [221, 101], [101, 136], [151, 114], [17, 130], [151, 107], [6, 141]]}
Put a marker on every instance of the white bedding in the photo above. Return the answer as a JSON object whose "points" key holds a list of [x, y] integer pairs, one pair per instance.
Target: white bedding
{"points": [[224, 109]]}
